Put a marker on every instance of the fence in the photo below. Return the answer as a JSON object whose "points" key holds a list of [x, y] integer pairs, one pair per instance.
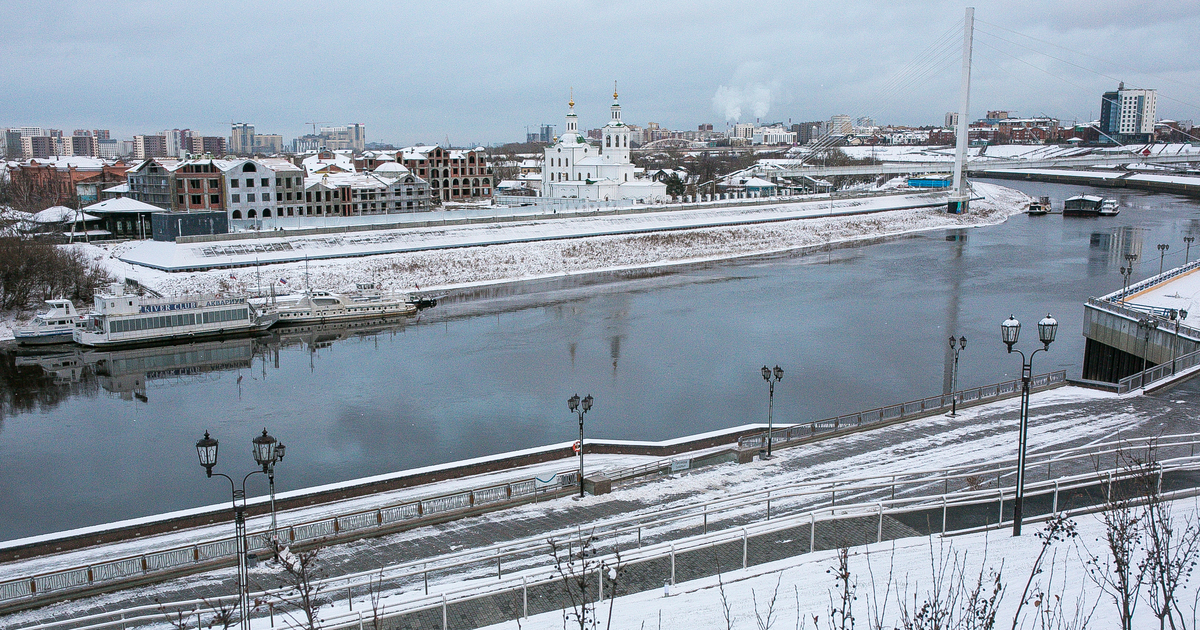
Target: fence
{"points": [[1158, 372], [898, 412], [308, 532], [807, 516]]}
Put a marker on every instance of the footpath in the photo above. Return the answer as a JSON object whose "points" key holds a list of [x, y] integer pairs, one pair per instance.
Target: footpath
{"points": [[1064, 417]]}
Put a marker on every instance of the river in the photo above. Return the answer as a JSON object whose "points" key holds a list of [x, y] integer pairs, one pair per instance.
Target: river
{"points": [[88, 438]]}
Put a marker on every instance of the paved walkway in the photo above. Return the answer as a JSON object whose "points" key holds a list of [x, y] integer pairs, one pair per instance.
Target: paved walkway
{"points": [[1060, 418]]}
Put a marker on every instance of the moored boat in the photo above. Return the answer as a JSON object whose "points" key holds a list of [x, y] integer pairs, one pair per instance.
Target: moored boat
{"points": [[1082, 206], [56, 325], [1109, 208], [1039, 207], [322, 306], [120, 319]]}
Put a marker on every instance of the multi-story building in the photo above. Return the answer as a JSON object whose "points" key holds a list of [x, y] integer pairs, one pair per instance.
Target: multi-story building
{"points": [[241, 138], [251, 188], [453, 174], [108, 148], [268, 143], [840, 125], [388, 190], [1128, 115], [352, 136], [38, 147], [773, 135], [197, 186], [147, 147], [809, 131], [742, 130], [289, 186], [41, 183], [207, 145], [150, 181]]}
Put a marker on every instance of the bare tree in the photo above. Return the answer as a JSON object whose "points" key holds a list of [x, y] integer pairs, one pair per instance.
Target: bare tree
{"points": [[767, 619], [1123, 570], [303, 579], [575, 565], [841, 611], [1173, 546]]}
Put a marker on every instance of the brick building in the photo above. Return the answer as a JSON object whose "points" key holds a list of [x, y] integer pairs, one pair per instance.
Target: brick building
{"points": [[453, 174]]}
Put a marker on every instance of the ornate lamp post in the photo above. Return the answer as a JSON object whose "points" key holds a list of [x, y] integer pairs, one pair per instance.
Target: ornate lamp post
{"points": [[1177, 316], [962, 344], [1148, 325], [771, 377], [1162, 253], [266, 453], [266, 456], [580, 407], [1127, 271], [1009, 330], [1187, 254]]}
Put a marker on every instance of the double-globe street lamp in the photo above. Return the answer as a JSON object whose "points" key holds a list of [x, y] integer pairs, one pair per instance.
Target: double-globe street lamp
{"points": [[771, 377], [267, 451], [1010, 329], [580, 407], [1162, 254], [961, 345]]}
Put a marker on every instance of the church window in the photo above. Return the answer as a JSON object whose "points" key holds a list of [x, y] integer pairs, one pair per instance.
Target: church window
{"points": [[568, 163], [608, 141]]}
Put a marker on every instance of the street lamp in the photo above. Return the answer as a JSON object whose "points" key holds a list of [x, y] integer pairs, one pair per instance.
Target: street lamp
{"points": [[1148, 325], [771, 377], [580, 407], [1187, 254], [1009, 330], [1162, 253], [962, 344], [266, 453], [1127, 271], [1177, 315]]}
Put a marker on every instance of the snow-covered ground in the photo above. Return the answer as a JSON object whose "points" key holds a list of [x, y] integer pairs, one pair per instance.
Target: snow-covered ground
{"points": [[805, 588]]}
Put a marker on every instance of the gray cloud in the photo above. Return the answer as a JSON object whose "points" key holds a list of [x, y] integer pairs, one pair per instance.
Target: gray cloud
{"points": [[479, 72]]}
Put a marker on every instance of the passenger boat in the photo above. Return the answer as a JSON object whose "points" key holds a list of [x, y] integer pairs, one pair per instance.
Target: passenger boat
{"points": [[321, 306], [1089, 205], [56, 325], [1109, 208], [121, 319], [1039, 207]]}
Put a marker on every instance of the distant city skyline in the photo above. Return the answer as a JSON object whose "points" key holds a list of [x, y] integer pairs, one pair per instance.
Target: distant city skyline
{"points": [[481, 74]]}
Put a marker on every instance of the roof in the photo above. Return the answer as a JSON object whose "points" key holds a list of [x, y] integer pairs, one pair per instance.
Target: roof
{"points": [[118, 189], [390, 168], [122, 204], [76, 162], [62, 214]]}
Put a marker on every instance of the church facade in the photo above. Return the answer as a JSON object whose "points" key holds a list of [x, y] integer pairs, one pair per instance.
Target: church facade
{"points": [[575, 169]]}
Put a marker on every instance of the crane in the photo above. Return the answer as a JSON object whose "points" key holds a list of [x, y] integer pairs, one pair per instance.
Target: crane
{"points": [[319, 122]]}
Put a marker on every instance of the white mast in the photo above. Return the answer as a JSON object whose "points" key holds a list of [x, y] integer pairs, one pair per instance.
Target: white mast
{"points": [[959, 195]]}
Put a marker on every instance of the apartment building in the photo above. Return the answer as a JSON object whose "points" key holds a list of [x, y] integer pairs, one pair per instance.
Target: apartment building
{"points": [[453, 174]]}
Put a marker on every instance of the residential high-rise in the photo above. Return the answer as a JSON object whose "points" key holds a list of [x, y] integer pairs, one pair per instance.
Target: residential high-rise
{"points": [[352, 136], [241, 139], [841, 125], [145, 147], [1128, 115]]}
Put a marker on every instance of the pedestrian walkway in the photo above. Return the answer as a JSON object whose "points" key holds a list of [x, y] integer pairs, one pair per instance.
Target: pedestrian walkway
{"points": [[1060, 418]]}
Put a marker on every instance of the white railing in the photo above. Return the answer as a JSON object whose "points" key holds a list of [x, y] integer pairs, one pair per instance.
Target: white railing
{"points": [[175, 558], [902, 410]]}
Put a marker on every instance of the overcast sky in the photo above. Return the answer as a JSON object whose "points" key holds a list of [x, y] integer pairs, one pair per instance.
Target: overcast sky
{"points": [[479, 72]]}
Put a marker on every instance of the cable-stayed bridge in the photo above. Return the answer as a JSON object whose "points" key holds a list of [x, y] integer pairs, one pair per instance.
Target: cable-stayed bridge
{"points": [[778, 169]]}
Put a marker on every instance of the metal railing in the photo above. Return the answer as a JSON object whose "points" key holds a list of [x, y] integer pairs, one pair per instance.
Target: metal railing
{"points": [[1118, 297], [1158, 372], [897, 412], [795, 505], [306, 532]]}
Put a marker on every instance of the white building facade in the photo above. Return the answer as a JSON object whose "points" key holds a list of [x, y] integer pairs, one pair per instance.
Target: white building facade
{"points": [[574, 169]]}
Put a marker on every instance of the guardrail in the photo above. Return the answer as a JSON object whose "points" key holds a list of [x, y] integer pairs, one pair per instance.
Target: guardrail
{"points": [[381, 518], [1119, 296], [473, 574], [893, 413], [1158, 372]]}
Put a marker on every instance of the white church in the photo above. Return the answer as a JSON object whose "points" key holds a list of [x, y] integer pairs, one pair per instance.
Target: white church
{"points": [[575, 169]]}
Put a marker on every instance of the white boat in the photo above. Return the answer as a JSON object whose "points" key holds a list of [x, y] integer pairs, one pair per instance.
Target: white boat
{"points": [[1109, 208], [56, 325], [322, 306], [1039, 207], [121, 319]]}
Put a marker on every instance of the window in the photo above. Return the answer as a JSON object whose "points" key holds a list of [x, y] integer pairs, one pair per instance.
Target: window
{"points": [[214, 199], [250, 214], [214, 184], [181, 200], [289, 196], [250, 198], [195, 200], [233, 183], [194, 184], [266, 196], [287, 182], [266, 182], [249, 182], [237, 198]]}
